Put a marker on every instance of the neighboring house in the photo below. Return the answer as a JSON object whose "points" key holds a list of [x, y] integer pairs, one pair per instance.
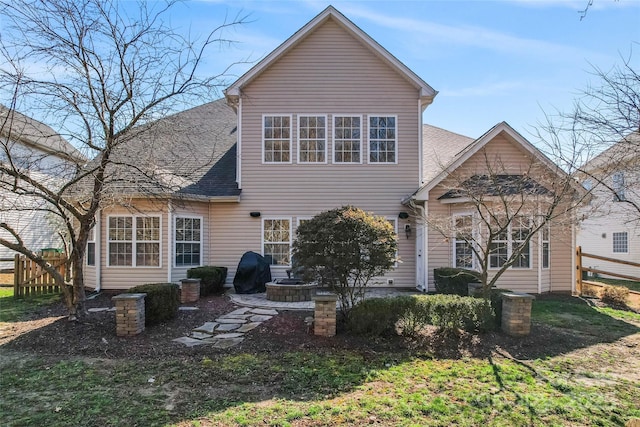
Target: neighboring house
{"points": [[303, 131], [36, 148], [610, 223]]}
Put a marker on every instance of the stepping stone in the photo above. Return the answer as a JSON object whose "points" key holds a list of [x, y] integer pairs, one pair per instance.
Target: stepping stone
{"points": [[259, 318], [188, 308], [241, 317], [239, 311], [264, 311], [228, 343], [228, 327], [190, 342], [223, 320], [227, 336], [248, 326], [98, 310], [208, 327], [200, 335]]}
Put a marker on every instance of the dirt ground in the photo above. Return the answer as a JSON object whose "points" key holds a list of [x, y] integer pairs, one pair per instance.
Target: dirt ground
{"points": [[47, 333]]}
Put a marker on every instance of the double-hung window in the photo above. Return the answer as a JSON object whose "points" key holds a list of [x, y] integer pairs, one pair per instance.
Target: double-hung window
{"points": [[188, 241], [134, 241], [618, 187], [512, 239], [347, 139], [382, 139], [276, 241], [276, 135], [545, 247], [91, 247], [312, 139], [620, 243], [463, 239]]}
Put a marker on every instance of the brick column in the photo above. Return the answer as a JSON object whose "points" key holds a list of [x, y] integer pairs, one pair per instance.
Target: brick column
{"points": [[324, 322], [129, 314], [189, 290], [516, 313]]}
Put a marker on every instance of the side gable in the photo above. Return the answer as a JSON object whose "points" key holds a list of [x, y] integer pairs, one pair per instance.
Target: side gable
{"points": [[500, 131], [427, 93]]}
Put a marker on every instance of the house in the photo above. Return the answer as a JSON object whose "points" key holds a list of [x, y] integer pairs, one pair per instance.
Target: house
{"points": [[610, 225], [33, 147], [303, 131]]}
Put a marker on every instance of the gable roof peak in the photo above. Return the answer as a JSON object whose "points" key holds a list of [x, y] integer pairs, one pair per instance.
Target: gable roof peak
{"points": [[427, 93]]}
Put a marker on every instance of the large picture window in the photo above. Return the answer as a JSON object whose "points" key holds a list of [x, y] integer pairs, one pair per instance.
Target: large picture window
{"points": [[276, 241], [347, 139], [382, 139], [134, 241], [312, 139], [276, 133], [188, 241], [463, 238]]}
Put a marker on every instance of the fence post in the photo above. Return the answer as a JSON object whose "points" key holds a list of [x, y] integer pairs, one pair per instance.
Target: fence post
{"points": [[579, 270], [16, 276]]}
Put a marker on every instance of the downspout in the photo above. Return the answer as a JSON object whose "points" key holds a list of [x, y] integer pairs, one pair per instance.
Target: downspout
{"points": [[540, 232], [98, 250], [422, 275], [169, 240]]}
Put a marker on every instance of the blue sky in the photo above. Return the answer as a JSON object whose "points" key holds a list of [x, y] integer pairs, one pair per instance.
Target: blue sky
{"points": [[491, 61]]}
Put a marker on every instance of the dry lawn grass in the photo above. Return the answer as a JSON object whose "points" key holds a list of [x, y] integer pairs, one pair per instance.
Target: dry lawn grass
{"points": [[6, 279]]}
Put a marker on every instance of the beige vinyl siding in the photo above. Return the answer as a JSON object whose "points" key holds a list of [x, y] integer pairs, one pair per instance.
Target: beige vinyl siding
{"points": [[440, 249], [89, 273], [120, 278], [328, 73]]}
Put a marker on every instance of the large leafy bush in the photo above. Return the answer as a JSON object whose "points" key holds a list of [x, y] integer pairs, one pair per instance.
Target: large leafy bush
{"points": [[211, 278], [161, 302]]}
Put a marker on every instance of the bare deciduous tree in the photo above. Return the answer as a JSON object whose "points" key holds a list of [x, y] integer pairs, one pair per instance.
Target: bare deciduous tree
{"points": [[101, 73]]}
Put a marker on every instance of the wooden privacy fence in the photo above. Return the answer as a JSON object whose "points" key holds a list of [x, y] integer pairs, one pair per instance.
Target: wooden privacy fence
{"points": [[31, 279], [581, 268]]}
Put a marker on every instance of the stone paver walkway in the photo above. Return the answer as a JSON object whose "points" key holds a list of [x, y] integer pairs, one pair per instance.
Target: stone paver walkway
{"points": [[229, 329]]}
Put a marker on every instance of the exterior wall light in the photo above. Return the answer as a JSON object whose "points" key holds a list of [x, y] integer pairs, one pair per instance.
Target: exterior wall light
{"points": [[254, 214]]}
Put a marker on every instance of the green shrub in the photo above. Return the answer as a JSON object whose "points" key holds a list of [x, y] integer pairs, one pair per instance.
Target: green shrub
{"points": [[161, 302], [454, 280], [495, 297], [211, 279], [378, 316], [408, 315], [615, 295]]}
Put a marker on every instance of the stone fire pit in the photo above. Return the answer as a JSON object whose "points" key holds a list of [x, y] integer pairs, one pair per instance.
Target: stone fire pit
{"points": [[290, 290]]}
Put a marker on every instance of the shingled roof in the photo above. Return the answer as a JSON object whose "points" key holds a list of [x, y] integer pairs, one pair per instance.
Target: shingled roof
{"points": [[191, 153], [440, 148], [496, 185]]}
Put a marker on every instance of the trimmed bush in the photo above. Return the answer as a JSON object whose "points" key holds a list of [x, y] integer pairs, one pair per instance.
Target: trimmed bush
{"points": [[408, 315], [161, 302], [211, 279], [615, 295], [454, 280]]}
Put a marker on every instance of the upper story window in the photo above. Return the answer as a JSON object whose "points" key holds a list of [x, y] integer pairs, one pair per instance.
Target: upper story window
{"points": [[347, 139], [382, 139], [618, 187], [276, 134], [134, 241], [620, 243], [312, 139]]}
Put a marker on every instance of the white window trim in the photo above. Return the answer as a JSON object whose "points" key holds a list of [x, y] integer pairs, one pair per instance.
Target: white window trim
{"points": [[264, 162], [134, 241], [455, 240], [548, 242], [333, 139], [368, 116], [290, 219], [613, 242], [510, 243], [175, 242], [326, 139]]}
